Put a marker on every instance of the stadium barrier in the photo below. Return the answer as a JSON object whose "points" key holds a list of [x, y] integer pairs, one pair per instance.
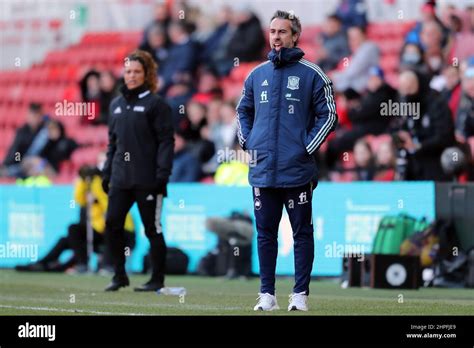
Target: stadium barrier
{"points": [[345, 217]]}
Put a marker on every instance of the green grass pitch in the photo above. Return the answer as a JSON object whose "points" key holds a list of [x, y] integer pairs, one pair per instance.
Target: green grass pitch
{"points": [[61, 294]]}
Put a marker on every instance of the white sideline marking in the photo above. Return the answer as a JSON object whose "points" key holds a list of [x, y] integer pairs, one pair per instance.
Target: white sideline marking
{"points": [[50, 309]]}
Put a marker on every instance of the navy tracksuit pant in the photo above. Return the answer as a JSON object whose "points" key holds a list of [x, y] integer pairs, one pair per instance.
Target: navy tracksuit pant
{"points": [[268, 207]]}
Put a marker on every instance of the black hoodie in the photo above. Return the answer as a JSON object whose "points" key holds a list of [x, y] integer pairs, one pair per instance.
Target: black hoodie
{"points": [[141, 141]]}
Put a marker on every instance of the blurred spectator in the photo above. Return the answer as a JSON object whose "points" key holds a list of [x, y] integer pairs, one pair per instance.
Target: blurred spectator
{"points": [[465, 114], [365, 54], [194, 129], [156, 43], [88, 183], [234, 233], [98, 88], [90, 91], [182, 59], [463, 45], [233, 170], [411, 58], [431, 37], [352, 13], [428, 12], [196, 120], [246, 41], [385, 160], [162, 19], [455, 25], [181, 9], [57, 149], [364, 115], [178, 96], [213, 44], [222, 133], [364, 161], [108, 91], [214, 110], [208, 86], [29, 140], [186, 167], [451, 91], [334, 44], [425, 132]]}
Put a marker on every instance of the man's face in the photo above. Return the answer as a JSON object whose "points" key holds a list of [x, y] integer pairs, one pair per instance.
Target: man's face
{"points": [[34, 119], [281, 35], [374, 83], [331, 27], [468, 86], [356, 38], [407, 84]]}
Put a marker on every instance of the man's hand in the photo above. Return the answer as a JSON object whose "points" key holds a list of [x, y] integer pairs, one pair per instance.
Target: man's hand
{"points": [[407, 141], [105, 185], [460, 138], [161, 184]]}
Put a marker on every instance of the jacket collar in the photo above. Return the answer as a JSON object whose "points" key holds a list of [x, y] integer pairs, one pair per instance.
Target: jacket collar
{"points": [[285, 56], [139, 92]]}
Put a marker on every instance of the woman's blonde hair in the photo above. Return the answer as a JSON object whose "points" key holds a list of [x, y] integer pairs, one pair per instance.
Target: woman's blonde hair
{"points": [[149, 65]]}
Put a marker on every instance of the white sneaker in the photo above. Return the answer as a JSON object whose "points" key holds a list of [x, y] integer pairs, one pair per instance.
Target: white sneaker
{"points": [[266, 302], [298, 302]]}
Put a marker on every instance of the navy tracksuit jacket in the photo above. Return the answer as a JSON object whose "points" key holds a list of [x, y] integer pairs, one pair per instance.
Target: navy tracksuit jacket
{"points": [[286, 112]]}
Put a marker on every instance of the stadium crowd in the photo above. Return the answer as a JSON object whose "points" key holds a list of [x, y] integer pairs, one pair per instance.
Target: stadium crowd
{"points": [[376, 138]]}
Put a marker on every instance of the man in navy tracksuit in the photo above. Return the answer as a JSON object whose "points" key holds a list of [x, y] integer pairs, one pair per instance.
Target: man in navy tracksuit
{"points": [[285, 113]]}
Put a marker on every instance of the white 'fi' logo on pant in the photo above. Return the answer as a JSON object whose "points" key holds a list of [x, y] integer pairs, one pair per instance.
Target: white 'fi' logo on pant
{"points": [[303, 199]]}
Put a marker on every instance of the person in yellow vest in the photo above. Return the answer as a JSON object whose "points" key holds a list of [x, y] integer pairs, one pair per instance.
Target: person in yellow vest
{"points": [[233, 169], [89, 181]]}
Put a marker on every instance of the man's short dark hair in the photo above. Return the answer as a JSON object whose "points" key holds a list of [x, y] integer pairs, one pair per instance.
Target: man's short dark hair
{"points": [[295, 22], [335, 17], [362, 29], [35, 107]]}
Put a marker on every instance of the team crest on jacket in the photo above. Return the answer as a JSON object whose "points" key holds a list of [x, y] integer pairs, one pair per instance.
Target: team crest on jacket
{"points": [[293, 82]]}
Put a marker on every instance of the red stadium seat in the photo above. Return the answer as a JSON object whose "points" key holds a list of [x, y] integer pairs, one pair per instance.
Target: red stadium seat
{"points": [[6, 139], [310, 50], [310, 35], [85, 156], [389, 63], [392, 79], [240, 73]]}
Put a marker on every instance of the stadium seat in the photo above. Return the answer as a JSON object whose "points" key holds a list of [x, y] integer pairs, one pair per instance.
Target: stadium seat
{"points": [[56, 78], [389, 63], [239, 73], [392, 79], [85, 156], [310, 35], [232, 89], [310, 50]]}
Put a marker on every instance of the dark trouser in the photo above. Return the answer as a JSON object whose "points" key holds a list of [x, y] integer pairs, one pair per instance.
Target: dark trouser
{"points": [[268, 206], [77, 241], [149, 205]]}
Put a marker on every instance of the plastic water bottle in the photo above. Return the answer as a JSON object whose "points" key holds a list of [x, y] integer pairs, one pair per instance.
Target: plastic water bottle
{"points": [[175, 291]]}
